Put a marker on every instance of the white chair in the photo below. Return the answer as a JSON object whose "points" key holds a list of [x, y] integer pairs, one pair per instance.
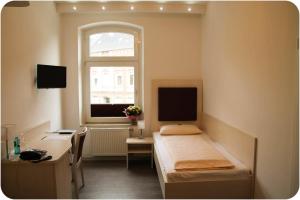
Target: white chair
{"points": [[77, 146]]}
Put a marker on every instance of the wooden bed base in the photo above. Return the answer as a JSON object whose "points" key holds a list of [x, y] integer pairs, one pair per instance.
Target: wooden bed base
{"points": [[227, 189]]}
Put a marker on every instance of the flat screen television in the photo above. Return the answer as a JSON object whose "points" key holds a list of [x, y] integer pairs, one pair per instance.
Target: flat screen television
{"points": [[50, 76], [177, 104]]}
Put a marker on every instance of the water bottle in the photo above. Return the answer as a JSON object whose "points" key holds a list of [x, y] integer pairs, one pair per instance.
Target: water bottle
{"points": [[17, 145]]}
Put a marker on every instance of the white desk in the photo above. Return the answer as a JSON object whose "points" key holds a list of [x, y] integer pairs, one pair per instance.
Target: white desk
{"points": [[48, 179]]}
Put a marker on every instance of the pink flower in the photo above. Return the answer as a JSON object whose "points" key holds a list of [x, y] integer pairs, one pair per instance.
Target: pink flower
{"points": [[132, 117]]}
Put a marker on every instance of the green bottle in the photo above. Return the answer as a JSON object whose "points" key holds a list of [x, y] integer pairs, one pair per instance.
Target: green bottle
{"points": [[17, 145]]}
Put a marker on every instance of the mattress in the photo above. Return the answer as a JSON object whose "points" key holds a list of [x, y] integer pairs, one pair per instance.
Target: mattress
{"points": [[239, 171], [192, 152]]}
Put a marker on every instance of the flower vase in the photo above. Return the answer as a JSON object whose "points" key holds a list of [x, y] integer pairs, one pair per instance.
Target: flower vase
{"points": [[133, 119], [133, 122]]}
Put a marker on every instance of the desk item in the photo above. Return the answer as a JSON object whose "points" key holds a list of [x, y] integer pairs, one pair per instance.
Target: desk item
{"points": [[141, 127], [17, 145], [57, 137], [5, 129], [23, 145], [12, 156], [43, 159], [141, 134], [65, 131], [32, 154]]}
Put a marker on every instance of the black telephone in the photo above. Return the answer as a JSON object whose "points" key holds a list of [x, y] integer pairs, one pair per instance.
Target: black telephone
{"points": [[32, 154]]}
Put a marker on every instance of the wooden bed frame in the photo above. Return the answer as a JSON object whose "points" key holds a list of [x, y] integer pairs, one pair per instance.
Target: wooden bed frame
{"points": [[241, 145]]}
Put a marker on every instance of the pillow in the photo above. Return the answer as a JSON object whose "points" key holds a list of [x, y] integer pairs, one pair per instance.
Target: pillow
{"points": [[179, 130]]}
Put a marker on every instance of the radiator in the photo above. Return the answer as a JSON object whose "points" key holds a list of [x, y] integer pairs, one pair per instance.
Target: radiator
{"points": [[108, 141]]}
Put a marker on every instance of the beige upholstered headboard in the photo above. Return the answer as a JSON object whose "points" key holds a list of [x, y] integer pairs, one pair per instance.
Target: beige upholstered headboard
{"points": [[155, 124]]}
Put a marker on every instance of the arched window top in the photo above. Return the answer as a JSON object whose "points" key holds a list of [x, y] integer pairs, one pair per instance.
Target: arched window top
{"points": [[111, 44]]}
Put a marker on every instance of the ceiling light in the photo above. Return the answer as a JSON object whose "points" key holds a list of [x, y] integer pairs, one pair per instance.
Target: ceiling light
{"points": [[131, 7], [161, 8], [74, 8], [103, 8], [189, 9]]}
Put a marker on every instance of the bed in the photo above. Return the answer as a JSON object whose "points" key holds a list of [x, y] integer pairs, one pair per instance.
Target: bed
{"points": [[230, 182]]}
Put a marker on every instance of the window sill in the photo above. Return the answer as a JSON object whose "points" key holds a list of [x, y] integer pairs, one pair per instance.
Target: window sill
{"points": [[107, 125]]}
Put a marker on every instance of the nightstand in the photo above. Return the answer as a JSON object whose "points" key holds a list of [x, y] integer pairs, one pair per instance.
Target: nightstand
{"points": [[139, 146]]}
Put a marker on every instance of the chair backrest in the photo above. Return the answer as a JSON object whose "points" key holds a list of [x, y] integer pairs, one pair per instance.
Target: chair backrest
{"points": [[73, 144], [79, 140]]}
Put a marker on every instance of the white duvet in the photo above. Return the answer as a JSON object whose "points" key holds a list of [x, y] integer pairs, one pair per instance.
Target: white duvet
{"points": [[192, 152]]}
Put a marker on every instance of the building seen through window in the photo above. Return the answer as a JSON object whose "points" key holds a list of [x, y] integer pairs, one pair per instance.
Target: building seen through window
{"points": [[111, 44], [111, 85]]}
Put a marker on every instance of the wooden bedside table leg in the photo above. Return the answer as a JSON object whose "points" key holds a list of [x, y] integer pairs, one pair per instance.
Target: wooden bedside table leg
{"points": [[127, 157]]}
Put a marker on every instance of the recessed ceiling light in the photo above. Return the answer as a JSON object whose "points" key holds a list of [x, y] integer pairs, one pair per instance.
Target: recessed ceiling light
{"points": [[131, 7], [189, 9], [103, 8], [161, 8], [74, 8]]}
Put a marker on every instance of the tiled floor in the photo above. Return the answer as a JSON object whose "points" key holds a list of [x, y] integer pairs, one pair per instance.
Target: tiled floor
{"points": [[112, 180]]}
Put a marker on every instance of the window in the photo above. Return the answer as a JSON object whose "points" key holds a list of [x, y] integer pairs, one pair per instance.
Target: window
{"points": [[111, 63], [111, 44], [109, 94]]}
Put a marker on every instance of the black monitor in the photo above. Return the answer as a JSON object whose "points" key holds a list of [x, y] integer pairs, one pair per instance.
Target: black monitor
{"points": [[50, 76], [177, 104]]}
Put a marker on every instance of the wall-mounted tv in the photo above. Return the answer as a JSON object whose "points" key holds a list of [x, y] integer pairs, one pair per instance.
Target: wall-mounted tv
{"points": [[50, 76], [177, 104]]}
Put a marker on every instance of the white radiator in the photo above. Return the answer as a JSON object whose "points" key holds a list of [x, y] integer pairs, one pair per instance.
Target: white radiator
{"points": [[108, 141]]}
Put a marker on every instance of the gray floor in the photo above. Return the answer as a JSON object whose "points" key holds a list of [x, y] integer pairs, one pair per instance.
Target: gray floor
{"points": [[112, 180]]}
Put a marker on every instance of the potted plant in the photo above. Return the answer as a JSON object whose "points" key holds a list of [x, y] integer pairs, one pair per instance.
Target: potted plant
{"points": [[132, 113]]}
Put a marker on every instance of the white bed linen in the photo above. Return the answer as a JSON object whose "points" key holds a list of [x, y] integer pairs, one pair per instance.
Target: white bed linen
{"points": [[239, 172]]}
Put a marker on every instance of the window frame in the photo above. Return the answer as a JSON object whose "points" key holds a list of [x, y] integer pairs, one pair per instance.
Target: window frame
{"points": [[109, 61], [108, 29]]}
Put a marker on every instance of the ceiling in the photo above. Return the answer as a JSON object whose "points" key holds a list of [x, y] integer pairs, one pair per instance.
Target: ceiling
{"points": [[187, 7]]}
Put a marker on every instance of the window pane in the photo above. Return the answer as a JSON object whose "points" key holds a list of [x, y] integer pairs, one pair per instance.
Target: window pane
{"points": [[111, 85], [111, 44]]}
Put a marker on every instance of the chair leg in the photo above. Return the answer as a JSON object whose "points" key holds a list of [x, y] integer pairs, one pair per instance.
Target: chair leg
{"points": [[75, 183], [82, 177]]}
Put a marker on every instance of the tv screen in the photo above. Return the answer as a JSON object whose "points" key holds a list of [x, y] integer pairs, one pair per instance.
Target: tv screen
{"points": [[50, 76], [177, 104]]}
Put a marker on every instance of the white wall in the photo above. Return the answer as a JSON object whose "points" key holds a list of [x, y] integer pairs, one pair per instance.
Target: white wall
{"points": [[171, 50], [250, 78], [30, 35]]}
